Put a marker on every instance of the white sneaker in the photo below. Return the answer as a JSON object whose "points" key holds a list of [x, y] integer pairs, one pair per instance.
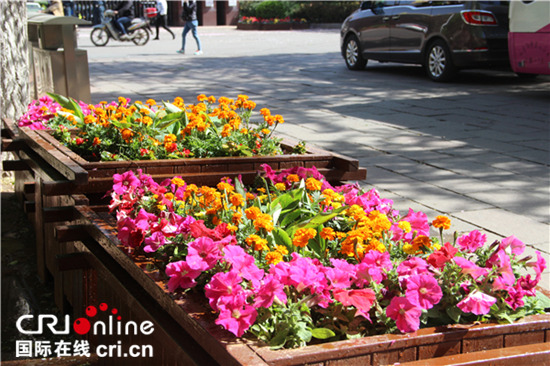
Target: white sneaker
{"points": [[124, 37], [199, 52]]}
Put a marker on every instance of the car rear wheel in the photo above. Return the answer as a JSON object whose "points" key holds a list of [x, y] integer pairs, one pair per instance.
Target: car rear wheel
{"points": [[353, 57], [438, 63]]}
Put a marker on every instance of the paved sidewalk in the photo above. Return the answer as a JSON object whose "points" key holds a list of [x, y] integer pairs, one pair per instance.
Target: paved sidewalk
{"points": [[476, 149]]}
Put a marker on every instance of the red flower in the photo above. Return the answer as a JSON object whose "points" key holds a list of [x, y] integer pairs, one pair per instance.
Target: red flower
{"points": [[442, 256]]}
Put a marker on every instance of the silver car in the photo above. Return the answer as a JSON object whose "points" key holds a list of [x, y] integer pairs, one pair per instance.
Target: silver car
{"points": [[443, 36]]}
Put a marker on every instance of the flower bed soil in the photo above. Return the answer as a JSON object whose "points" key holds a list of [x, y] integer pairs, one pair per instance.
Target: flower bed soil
{"points": [[186, 327]]}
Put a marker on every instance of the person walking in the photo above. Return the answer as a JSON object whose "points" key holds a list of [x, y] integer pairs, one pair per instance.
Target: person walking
{"points": [[162, 21], [191, 23]]}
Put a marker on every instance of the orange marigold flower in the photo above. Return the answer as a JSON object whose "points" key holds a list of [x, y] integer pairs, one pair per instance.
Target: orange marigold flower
{"points": [[273, 257], [302, 236], [211, 99], [170, 138], [313, 184], [237, 200], [224, 186], [237, 218], [90, 119], [281, 249], [122, 100], [293, 178], [178, 182], [264, 221], [421, 242], [442, 222], [328, 233], [252, 212], [257, 243], [232, 228], [127, 134], [202, 97], [265, 112], [250, 105], [279, 118], [151, 102]]}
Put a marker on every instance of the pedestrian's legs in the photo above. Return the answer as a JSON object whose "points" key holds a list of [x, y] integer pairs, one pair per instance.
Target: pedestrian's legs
{"points": [[194, 25], [186, 30], [165, 26], [157, 25]]}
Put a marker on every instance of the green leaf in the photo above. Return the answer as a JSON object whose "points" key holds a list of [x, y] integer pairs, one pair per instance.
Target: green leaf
{"points": [[304, 333], [322, 333], [170, 108], [316, 220], [454, 313], [291, 216], [281, 237], [279, 340], [68, 103], [542, 300]]}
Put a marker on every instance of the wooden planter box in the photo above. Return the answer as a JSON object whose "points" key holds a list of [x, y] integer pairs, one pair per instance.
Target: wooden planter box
{"points": [[187, 334]]}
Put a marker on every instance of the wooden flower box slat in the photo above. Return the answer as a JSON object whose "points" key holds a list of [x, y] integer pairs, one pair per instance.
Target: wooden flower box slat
{"points": [[193, 317]]}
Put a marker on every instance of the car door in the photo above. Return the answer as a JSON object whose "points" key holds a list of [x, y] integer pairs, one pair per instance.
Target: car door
{"points": [[408, 27], [373, 28]]}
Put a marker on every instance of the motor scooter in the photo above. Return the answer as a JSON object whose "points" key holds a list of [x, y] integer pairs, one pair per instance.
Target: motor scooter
{"points": [[138, 31]]}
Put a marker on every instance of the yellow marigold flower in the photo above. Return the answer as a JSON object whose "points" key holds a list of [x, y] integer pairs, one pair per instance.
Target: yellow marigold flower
{"points": [[178, 102], [273, 257], [264, 221], [340, 235], [161, 207], [178, 182], [442, 222], [224, 186], [211, 99], [420, 242], [313, 184], [328, 233], [379, 221], [144, 111], [151, 102], [257, 243], [356, 211], [302, 236], [265, 131], [409, 249], [90, 119], [170, 138], [190, 190], [279, 118], [237, 218], [375, 244], [169, 196], [405, 226], [244, 131], [232, 228], [282, 249], [293, 178], [236, 199], [252, 212], [126, 134], [280, 186], [122, 100], [250, 105]]}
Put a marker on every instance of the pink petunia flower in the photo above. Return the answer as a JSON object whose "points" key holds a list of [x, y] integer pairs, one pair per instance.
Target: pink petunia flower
{"points": [[515, 297], [539, 266], [406, 314], [123, 182], [470, 268], [237, 317], [517, 246], [340, 276], [222, 288], [501, 261], [154, 242], [412, 266], [243, 264], [419, 224], [477, 303], [423, 291], [472, 241], [129, 234], [361, 299], [181, 275], [203, 254], [270, 289]]}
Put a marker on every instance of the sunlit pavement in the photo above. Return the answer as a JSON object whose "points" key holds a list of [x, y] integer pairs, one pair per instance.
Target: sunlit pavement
{"points": [[476, 149]]}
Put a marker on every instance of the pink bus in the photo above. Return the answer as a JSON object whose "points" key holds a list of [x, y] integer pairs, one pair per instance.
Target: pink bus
{"points": [[529, 37]]}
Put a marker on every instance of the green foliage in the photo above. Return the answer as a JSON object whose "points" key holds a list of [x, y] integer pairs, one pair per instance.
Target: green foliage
{"points": [[312, 11]]}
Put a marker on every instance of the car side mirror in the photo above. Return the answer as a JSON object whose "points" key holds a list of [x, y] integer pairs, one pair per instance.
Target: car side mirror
{"points": [[366, 5]]}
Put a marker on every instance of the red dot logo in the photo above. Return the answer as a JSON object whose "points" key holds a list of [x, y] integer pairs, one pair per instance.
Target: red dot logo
{"points": [[91, 311], [81, 326], [103, 306]]}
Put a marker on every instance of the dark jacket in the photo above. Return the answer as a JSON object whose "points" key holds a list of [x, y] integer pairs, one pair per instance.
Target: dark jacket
{"points": [[125, 9], [189, 11]]}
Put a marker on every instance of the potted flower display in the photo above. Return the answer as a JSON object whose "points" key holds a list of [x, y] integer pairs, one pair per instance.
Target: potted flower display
{"points": [[295, 260]]}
